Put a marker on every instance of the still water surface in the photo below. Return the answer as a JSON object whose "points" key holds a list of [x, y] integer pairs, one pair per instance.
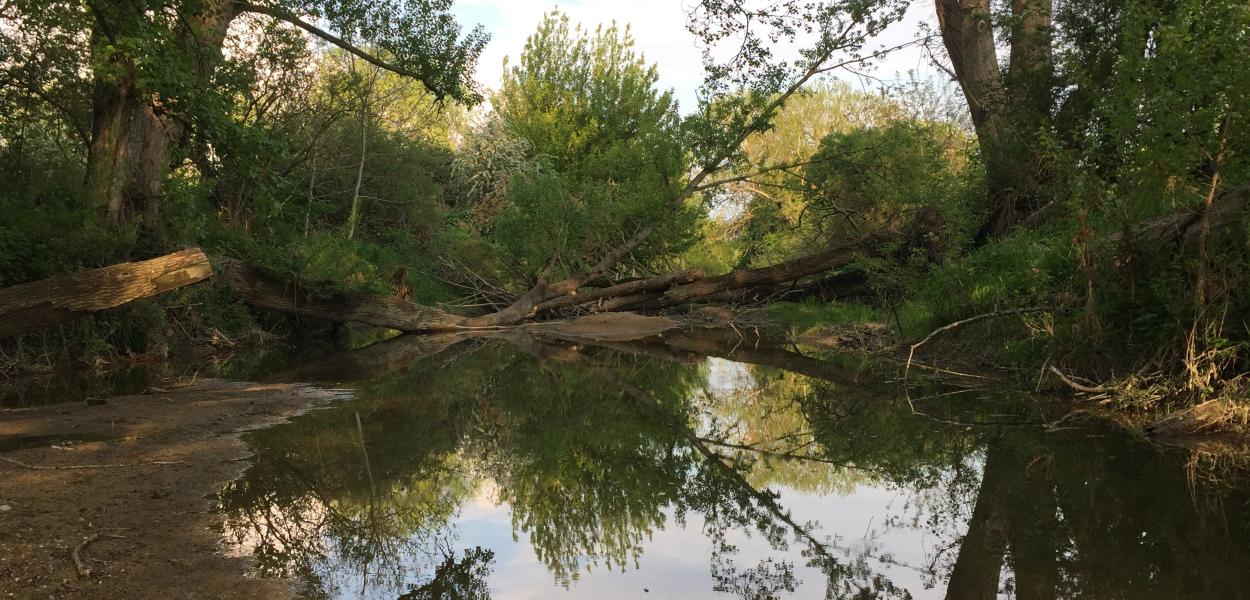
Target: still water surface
{"points": [[530, 469]]}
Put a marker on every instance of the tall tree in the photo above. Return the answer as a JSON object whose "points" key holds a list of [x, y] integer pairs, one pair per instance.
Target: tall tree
{"points": [[1008, 109], [606, 143], [155, 71], [837, 34]]}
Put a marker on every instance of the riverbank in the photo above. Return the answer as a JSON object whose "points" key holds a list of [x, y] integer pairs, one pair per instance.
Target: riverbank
{"points": [[112, 499]]}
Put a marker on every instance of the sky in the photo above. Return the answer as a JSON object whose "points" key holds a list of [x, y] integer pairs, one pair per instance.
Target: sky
{"points": [[659, 29]]}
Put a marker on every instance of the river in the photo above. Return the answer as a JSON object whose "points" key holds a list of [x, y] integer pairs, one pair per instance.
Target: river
{"points": [[527, 469]]}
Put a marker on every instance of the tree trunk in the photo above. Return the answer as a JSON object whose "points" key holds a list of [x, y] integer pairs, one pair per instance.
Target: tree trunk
{"points": [[33, 306], [629, 288], [975, 575], [790, 270], [128, 155], [132, 136], [1004, 113], [354, 213], [1032, 67]]}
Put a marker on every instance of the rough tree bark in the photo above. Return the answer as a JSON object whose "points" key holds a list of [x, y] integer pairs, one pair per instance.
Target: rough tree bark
{"points": [[1005, 112], [33, 306], [133, 132], [649, 285], [789, 270]]}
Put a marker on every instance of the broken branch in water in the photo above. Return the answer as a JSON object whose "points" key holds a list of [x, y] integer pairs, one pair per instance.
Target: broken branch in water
{"points": [[949, 326], [1077, 386], [159, 463]]}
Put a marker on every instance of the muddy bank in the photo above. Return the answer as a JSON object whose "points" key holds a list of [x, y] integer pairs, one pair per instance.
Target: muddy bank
{"points": [[133, 476]]}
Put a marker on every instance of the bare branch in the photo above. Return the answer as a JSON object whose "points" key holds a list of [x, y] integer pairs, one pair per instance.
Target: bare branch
{"points": [[282, 15]]}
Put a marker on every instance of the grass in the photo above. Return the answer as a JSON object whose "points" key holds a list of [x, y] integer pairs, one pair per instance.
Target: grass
{"points": [[911, 319]]}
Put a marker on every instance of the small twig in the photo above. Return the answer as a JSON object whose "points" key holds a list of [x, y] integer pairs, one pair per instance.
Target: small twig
{"points": [[1076, 386], [949, 326], [83, 569], [159, 463]]}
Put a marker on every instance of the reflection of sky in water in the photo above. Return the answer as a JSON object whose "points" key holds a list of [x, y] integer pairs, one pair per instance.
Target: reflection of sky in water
{"points": [[674, 562], [1086, 512], [725, 376]]}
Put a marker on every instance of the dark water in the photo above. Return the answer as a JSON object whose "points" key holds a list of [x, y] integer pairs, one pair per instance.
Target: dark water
{"points": [[701, 469], [78, 383]]}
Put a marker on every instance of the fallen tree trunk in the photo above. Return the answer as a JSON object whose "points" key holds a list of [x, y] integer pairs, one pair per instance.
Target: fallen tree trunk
{"points": [[256, 287], [630, 288], [40, 304], [782, 272]]}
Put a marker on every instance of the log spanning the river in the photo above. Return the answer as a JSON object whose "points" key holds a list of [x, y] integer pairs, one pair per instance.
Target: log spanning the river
{"points": [[790, 270], [256, 287], [40, 304], [628, 289]]}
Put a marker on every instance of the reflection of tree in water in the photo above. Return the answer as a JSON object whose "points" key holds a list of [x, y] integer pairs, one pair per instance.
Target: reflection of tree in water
{"points": [[457, 578], [362, 493], [595, 449], [719, 491]]}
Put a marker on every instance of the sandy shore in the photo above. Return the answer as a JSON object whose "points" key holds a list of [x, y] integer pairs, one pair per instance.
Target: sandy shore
{"points": [[132, 478]]}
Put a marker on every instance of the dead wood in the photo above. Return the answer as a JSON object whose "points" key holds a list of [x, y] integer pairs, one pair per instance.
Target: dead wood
{"points": [[159, 463], [40, 304], [610, 327], [1077, 386], [76, 555], [782, 272], [632, 288], [960, 323]]}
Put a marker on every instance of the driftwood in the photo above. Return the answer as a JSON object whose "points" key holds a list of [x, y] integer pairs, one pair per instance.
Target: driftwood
{"points": [[158, 463], [76, 555], [258, 288], [614, 327], [40, 304], [1099, 389]]}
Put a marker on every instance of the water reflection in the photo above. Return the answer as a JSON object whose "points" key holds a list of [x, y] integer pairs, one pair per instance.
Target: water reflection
{"points": [[528, 468]]}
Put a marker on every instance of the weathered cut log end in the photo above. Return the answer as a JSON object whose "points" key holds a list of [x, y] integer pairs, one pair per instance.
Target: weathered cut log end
{"points": [[41, 304]]}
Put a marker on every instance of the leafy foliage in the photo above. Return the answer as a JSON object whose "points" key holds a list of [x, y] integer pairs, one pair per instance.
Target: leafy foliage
{"points": [[582, 150]]}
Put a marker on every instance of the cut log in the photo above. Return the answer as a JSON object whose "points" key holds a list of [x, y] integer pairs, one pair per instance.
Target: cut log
{"points": [[40, 304], [256, 287]]}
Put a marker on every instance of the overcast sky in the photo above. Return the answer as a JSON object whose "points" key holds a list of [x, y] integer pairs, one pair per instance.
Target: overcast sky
{"points": [[659, 28]]}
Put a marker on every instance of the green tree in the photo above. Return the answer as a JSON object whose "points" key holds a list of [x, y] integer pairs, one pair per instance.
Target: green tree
{"points": [[158, 82], [604, 143]]}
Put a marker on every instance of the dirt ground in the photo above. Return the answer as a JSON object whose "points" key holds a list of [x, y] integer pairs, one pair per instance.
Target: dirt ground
{"points": [[133, 476]]}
